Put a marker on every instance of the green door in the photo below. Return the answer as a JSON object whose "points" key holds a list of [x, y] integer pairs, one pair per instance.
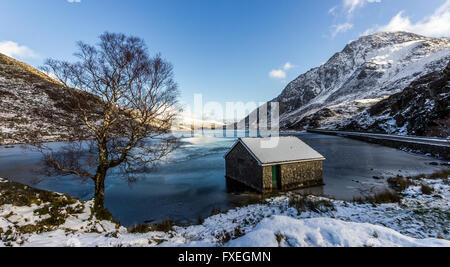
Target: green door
{"points": [[276, 177]]}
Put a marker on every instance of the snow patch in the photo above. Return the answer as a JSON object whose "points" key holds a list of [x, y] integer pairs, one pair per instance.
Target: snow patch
{"points": [[325, 232]]}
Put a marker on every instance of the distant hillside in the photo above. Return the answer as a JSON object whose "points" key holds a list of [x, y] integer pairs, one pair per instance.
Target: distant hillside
{"points": [[35, 107], [32, 105]]}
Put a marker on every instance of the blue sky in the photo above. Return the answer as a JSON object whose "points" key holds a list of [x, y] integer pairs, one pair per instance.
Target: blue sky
{"points": [[228, 50]]}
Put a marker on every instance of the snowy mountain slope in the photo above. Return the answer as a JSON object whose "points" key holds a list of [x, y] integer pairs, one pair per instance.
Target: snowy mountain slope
{"points": [[422, 108], [365, 72], [32, 105]]}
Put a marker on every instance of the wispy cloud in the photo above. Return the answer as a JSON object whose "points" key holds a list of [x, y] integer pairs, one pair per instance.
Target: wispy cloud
{"points": [[333, 10], [74, 1], [436, 25], [345, 12], [13, 49], [351, 5], [340, 28]]}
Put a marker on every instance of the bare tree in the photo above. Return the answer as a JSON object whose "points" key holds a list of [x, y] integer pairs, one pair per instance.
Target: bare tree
{"points": [[122, 101]]}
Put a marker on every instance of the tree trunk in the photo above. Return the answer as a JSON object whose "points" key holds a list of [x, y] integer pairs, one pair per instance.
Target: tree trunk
{"points": [[99, 197], [100, 211]]}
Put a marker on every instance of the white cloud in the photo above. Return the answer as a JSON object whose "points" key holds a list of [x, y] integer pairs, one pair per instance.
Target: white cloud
{"points": [[13, 49], [351, 5], [278, 74], [281, 73], [74, 1], [436, 25], [340, 28], [288, 66]]}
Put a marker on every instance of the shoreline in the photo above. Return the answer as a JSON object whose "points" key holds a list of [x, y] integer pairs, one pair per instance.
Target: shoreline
{"points": [[402, 146], [291, 215]]}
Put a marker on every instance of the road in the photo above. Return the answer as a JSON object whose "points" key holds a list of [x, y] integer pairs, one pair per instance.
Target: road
{"points": [[409, 139], [436, 147]]}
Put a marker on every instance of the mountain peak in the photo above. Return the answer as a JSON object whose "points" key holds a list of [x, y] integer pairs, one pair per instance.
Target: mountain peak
{"points": [[383, 39], [395, 34], [364, 72]]}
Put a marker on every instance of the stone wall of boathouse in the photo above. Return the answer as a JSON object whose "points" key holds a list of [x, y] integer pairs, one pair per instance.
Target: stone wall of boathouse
{"points": [[242, 167], [301, 175]]}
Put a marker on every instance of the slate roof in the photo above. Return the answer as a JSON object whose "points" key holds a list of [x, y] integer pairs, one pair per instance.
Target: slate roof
{"points": [[287, 149]]}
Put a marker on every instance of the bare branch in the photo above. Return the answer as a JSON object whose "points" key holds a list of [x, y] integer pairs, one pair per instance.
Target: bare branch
{"points": [[121, 99]]}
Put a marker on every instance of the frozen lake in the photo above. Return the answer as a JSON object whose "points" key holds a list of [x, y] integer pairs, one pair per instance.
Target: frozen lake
{"points": [[191, 183]]}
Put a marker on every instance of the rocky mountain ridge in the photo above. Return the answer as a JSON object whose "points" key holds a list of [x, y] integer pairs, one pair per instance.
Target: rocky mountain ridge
{"points": [[422, 108], [365, 72]]}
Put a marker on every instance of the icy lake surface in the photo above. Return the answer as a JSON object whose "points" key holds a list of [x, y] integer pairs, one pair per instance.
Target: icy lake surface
{"points": [[191, 183]]}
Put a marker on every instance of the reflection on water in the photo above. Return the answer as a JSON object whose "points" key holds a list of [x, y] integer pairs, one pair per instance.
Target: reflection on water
{"points": [[191, 183]]}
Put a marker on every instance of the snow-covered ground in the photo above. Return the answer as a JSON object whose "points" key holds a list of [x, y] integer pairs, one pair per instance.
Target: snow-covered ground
{"points": [[419, 220], [324, 232]]}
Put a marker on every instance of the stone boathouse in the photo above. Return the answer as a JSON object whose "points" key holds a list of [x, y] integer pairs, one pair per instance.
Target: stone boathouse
{"points": [[288, 165]]}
